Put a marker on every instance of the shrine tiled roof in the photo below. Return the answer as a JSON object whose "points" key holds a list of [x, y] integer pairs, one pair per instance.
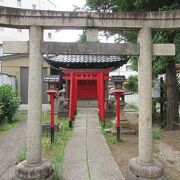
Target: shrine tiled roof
{"points": [[86, 59], [93, 61]]}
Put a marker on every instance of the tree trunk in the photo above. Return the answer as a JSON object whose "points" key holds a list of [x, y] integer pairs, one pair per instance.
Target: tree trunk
{"points": [[172, 97]]}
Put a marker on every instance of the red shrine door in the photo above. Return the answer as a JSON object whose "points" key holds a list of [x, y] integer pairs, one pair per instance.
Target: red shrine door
{"points": [[87, 89]]}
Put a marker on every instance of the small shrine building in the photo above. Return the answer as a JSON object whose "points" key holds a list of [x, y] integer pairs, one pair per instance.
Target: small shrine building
{"points": [[86, 78]]}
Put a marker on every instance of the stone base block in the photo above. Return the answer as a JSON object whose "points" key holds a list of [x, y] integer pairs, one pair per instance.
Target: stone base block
{"points": [[144, 171], [42, 171]]}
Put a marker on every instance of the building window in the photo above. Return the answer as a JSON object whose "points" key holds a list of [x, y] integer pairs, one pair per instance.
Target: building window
{"points": [[128, 68], [49, 35], [19, 3], [33, 6]]}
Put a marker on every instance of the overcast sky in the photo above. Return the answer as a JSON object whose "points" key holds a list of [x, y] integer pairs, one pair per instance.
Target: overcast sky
{"points": [[67, 5], [71, 35]]}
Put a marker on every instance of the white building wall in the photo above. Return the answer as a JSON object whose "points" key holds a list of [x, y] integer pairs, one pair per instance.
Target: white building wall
{"points": [[10, 34], [124, 70]]}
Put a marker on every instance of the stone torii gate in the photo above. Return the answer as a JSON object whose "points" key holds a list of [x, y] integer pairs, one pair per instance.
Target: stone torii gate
{"points": [[142, 167]]}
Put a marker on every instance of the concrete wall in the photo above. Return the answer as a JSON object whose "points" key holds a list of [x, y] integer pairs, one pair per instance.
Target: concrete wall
{"points": [[12, 67]]}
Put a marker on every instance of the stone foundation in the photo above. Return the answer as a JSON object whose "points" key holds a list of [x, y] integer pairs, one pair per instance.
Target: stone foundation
{"points": [[144, 171], [42, 171]]}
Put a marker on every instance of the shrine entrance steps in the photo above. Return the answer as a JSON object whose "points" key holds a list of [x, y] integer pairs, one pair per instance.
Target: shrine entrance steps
{"points": [[87, 156], [87, 103]]}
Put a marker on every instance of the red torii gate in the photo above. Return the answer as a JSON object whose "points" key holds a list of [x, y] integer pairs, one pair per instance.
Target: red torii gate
{"points": [[100, 75]]}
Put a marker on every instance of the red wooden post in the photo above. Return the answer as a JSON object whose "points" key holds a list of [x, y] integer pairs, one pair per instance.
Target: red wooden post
{"points": [[52, 116], [71, 99], [118, 115], [103, 97], [100, 95], [118, 91], [52, 91], [75, 94]]}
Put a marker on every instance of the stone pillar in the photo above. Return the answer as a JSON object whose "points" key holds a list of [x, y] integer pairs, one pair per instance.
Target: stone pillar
{"points": [[144, 167], [34, 167], [145, 95], [92, 35], [34, 96]]}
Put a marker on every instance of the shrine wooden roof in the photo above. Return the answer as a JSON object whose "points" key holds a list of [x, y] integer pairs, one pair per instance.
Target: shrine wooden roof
{"points": [[87, 61]]}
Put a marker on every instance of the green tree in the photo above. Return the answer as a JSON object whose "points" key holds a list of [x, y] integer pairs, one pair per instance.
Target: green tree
{"points": [[132, 83], [160, 64]]}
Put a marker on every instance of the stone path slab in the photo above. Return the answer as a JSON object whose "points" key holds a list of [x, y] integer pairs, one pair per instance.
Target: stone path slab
{"points": [[87, 156], [10, 146]]}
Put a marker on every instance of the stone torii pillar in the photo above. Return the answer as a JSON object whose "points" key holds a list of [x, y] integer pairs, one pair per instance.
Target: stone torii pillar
{"points": [[143, 167], [34, 167]]}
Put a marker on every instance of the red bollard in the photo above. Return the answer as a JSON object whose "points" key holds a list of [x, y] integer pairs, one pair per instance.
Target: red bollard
{"points": [[118, 91], [118, 120], [52, 95], [52, 92]]}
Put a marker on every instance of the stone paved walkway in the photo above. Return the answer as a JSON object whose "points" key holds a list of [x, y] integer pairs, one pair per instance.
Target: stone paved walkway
{"points": [[10, 147], [87, 156]]}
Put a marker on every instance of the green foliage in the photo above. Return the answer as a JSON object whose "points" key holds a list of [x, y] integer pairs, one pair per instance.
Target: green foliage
{"points": [[22, 155], [100, 5], [7, 126], [110, 138], [9, 103], [134, 63], [132, 83], [156, 133], [55, 151]]}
